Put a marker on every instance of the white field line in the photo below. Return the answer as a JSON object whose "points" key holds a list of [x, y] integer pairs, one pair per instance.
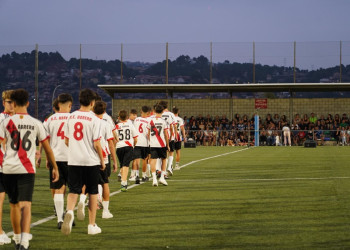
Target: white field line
{"points": [[273, 179], [130, 187]]}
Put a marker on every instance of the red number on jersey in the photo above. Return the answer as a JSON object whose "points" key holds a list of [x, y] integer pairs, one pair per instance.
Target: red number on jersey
{"points": [[140, 128], [60, 133], [78, 131]]}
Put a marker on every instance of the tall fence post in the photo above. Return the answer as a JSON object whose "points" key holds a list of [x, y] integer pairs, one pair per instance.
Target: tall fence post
{"points": [[294, 71], [256, 128], [36, 81], [340, 66], [253, 62], [80, 73], [121, 63], [167, 64], [211, 63]]}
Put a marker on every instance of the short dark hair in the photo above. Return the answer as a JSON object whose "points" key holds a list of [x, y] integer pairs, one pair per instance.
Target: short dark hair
{"points": [[159, 108], [20, 97], [164, 104], [55, 104], [65, 97], [145, 109], [100, 107], [133, 111], [175, 110], [86, 96], [123, 114]]}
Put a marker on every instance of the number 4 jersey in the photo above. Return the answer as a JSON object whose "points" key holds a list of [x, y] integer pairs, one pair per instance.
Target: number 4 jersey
{"points": [[54, 125], [21, 131], [82, 129]]}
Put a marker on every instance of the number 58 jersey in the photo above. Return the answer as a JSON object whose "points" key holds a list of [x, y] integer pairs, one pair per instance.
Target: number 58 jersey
{"points": [[82, 129], [126, 134], [20, 132]]}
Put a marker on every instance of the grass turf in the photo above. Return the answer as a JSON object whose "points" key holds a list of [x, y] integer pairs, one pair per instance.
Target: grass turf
{"points": [[266, 197]]}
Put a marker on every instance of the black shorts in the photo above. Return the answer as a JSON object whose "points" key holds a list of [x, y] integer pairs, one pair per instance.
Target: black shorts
{"points": [[78, 176], [2, 188], [141, 152], [177, 145], [158, 153], [63, 172], [104, 174], [19, 187], [172, 146], [125, 156]]}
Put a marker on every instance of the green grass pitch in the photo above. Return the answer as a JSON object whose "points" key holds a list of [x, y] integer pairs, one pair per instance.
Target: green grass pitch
{"points": [[259, 198]]}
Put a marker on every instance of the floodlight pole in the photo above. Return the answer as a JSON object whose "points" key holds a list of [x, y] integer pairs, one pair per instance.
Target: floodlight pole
{"points": [[167, 64], [121, 63], [36, 81], [340, 66], [294, 72], [211, 63], [53, 94], [80, 73]]}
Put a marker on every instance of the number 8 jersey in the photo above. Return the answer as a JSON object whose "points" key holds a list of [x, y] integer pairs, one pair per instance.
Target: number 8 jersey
{"points": [[126, 133], [82, 129], [21, 131]]}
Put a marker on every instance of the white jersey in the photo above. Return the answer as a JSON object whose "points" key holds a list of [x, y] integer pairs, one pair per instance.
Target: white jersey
{"points": [[179, 125], [126, 133], [140, 124], [20, 132], [3, 116], [109, 120], [157, 126], [106, 135], [54, 125], [82, 129], [170, 119]]}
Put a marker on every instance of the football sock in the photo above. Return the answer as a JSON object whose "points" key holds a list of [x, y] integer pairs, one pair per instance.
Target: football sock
{"points": [[137, 173], [154, 175], [124, 183], [83, 198], [162, 175], [170, 162], [100, 190], [144, 174], [25, 240], [105, 205], [159, 164], [177, 164], [59, 206], [17, 238]]}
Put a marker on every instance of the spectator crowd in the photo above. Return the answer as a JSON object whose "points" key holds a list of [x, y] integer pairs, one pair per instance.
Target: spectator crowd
{"points": [[220, 131]]}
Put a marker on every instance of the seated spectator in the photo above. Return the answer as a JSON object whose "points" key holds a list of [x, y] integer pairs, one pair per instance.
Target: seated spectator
{"points": [[343, 124], [310, 134], [241, 126], [301, 137], [245, 120], [223, 137], [270, 135], [242, 140], [263, 137], [208, 119], [337, 135], [207, 140], [329, 120], [268, 119], [199, 137], [214, 137], [312, 121], [236, 118], [337, 118], [278, 141], [345, 117], [295, 137], [297, 119], [276, 119], [231, 140], [343, 136], [224, 122], [232, 125], [200, 119], [201, 125], [306, 121]]}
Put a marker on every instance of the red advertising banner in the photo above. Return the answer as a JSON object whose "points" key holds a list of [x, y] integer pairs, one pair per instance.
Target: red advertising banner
{"points": [[260, 103]]}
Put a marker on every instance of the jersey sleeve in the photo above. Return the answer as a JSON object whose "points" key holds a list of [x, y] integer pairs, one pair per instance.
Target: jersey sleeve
{"points": [[42, 133], [2, 130], [109, 133], [133, 131], [96, 130]]}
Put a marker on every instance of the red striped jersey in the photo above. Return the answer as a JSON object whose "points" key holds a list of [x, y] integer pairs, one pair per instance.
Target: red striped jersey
{"points": [[157, 126], [106, 135], [3, 116], [169, 117], [82, 129], [126, 133], [179, 124], [54, 125], [20, 132], [140, 124]]}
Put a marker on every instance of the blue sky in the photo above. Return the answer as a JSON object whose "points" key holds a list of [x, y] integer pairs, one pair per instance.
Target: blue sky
{"points": [[58, 22]]}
